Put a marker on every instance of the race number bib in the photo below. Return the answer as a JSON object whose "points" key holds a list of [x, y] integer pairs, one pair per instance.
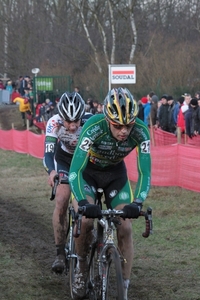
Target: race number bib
{"points": [[49, 147], [85, 144], [145, 147]]}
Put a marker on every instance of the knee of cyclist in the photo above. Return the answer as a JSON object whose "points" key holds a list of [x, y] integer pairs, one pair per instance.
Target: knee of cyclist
{"points": [[61, 204], [125, 229], [87, 223]]}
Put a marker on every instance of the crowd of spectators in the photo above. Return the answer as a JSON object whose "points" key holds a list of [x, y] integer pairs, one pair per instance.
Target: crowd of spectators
{"points": [[166, 113], [169, 114], [39, 112]]}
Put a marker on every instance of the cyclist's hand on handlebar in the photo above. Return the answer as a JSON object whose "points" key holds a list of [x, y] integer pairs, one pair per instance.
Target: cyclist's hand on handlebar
{"points": [[132, 211], [51, 177], [91, 210]]}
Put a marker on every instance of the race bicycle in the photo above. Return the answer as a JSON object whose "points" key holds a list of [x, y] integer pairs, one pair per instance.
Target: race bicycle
{"points": [[105, 280]]}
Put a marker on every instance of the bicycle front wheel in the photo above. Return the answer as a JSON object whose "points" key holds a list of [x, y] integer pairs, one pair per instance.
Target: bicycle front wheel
{"points": [[72, 266], [71, 258], [112, 280]]}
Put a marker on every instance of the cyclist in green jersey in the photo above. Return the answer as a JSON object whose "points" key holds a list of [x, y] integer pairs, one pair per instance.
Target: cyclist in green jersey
{"points": [[98, 161]]}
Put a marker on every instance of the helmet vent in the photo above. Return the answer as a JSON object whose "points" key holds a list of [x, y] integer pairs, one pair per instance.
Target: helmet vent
{"points": [[71, 110], [130, 108], [113, 110], [123, 109]]}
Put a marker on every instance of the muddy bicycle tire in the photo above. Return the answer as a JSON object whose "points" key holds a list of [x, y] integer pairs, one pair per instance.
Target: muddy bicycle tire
{"points": [[94, 279], [112, 272], [72, 266], [71, 258]]}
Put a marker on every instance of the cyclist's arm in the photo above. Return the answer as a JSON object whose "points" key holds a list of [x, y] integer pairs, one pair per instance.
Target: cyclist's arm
{"points": [[51, 140], [78, 164], [144, 168]]}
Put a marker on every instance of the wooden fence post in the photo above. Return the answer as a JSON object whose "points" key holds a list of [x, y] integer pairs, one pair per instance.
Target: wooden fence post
{"points": [[152, 132], [178, 135]]}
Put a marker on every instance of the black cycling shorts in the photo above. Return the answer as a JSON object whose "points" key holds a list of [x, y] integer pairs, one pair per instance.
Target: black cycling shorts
{"points": [[63, 162], [113, 180]]}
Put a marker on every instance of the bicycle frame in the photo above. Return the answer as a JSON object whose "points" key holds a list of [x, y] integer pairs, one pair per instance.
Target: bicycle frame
{"points": [[70, 234]]}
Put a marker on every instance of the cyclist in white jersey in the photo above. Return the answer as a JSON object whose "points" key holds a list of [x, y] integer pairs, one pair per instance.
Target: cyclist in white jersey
{"points": [[62, 133]]}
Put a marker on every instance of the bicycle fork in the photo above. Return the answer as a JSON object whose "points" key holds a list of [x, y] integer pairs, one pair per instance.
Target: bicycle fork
{"points": [[68, 247]]}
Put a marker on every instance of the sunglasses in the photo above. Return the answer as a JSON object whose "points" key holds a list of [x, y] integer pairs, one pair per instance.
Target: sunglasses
{"points": [[69, 122], [120, 127]]}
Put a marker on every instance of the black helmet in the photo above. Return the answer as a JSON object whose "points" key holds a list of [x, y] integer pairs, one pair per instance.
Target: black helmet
{"points": [[120, 107], [71, 107]]}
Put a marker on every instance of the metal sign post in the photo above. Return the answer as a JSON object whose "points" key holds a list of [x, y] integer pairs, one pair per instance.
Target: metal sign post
{"points": [[35, 71]]}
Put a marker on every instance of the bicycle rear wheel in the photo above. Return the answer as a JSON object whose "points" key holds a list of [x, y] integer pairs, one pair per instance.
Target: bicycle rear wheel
{"points": [[112, 280]]}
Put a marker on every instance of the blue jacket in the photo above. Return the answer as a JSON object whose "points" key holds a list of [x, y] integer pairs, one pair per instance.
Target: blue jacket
{"points": [[147, 108], [175, 112]]}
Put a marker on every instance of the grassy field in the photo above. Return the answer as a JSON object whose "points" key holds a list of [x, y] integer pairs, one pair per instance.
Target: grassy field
{"points": [[166, 265]]}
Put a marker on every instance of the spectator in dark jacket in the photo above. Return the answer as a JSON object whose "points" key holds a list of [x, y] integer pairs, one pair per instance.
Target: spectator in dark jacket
{"points": [[141, 110], [90, 102], [191, 124], [154, 109], [163, 114], [172, 107]]}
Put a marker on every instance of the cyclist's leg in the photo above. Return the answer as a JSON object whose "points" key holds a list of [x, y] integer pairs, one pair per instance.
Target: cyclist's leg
{"points": [[84, 240], [124, 231], [59, 218], [122, 196], [82, 245]]}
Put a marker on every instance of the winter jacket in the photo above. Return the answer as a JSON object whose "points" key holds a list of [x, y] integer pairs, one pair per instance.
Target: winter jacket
{"points": [[164, 117], [147, 108], [23, 107], [190, 121]]}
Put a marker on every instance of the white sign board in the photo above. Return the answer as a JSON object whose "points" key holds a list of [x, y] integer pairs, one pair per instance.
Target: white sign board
{"points": [[122, 74]]}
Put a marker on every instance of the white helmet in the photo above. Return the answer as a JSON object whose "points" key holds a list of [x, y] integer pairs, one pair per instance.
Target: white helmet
{"points": [[71, 107]]}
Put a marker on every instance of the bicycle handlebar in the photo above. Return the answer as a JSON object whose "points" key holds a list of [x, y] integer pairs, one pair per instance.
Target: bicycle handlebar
{"points": [[57, 181], [107, 212], [148, 222], [113, 213]]}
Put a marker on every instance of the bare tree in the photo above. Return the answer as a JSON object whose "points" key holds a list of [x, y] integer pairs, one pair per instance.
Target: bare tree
{"points": [[91, 13]]}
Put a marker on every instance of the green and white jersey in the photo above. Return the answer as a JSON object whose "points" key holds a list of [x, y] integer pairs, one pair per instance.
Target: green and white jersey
{"points": [[97, 145]]}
